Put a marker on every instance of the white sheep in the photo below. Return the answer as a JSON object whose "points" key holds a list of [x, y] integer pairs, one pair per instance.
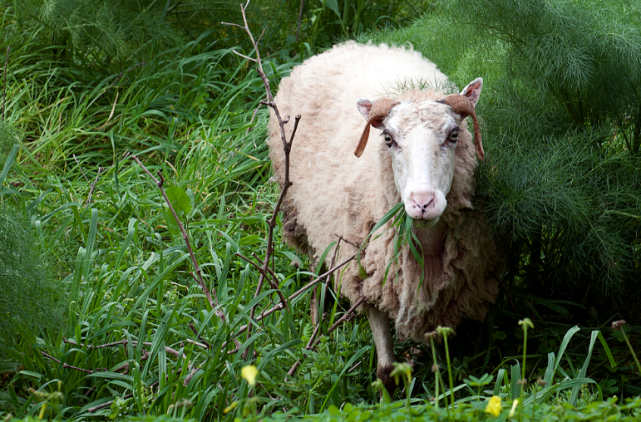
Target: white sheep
{"points": [[424, 158]]}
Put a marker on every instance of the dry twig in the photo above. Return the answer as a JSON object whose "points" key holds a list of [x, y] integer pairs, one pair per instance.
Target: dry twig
{"points": [[287, 146], [300, 17], [6, 66], [93, 185], [213, 301]]}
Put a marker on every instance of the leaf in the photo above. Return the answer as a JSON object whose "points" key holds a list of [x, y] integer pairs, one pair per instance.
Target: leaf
{"points": [[179, 200], [333, 5], [9, 162], [172, 225], [584, 369]]}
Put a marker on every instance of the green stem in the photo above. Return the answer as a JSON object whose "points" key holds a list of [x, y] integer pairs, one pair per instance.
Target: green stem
{"points": [[449, 370], [523, 373], [625, 336], [436, 373], [534, 404]]}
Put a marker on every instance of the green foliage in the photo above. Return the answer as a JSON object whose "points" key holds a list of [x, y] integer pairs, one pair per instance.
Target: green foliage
{"points": [[628, 411], [561, 111], [192, 114], [31, 300], [122, 31]]}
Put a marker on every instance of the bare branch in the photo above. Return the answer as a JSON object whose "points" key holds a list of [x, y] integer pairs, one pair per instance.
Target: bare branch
{"points": [[280, 306], [346, 316], [356, 245], [193, 329], [64, 365], [93, 186], [310, 343], [79, 166], [250, 128], [271, 281], [4, 100], [300, 17], [320, 278], [213, 301], [243, 56], [233, 24]]}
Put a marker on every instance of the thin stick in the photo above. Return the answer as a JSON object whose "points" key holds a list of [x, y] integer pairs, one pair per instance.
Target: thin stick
{"points": [[271, 282], [287, 146], [64, 365], [204, 346], [280, 306], [124, 342], [300, 17], [250, 128], [6, 66], [213, 301], [80, 167], [93, 186], [193, 329], [356, 245], [320, 278], [243, 56], [310, 343], [346, 317]]}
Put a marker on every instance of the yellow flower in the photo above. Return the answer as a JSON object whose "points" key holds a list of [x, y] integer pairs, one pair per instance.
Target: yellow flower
{"points": [[249, 372], [515, 403], [494, 406]]}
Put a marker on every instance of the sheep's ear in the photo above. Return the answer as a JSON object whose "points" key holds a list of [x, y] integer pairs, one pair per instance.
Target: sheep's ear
{"points": [[364, 106], [473, 91]]}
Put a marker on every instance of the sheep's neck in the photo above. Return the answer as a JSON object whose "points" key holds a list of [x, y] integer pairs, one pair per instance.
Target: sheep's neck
{"points": [[432, 238], [433, 243]]}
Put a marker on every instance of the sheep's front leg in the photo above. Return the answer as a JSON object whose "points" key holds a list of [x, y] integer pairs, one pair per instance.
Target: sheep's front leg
{"points": [[379, 324]]}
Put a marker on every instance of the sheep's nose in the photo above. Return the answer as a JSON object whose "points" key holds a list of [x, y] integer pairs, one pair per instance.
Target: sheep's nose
{"points": [[422, 200]]}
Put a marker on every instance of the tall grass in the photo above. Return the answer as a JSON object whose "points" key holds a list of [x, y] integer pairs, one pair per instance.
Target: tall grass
{"points": [[128, 344]]}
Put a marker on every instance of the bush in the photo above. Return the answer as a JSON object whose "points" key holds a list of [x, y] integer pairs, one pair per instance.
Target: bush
{"points": [[561, 111]]}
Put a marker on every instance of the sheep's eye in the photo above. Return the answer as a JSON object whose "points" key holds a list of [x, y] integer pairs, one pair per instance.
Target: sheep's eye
{"points": [[388, 139], [454, 136]]}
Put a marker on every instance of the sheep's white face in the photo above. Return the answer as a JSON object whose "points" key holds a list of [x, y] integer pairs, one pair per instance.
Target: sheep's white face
{"points": [[422, 137]]}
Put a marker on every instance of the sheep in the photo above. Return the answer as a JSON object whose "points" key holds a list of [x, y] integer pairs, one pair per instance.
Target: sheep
{"points": [[424, 156]]}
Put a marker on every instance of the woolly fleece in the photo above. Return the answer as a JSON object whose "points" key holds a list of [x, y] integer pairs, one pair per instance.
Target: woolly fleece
{"points": [[335, 192]]}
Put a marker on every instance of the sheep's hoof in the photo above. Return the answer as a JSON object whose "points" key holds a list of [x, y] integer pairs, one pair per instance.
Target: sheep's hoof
{"points": [[383, 373]]}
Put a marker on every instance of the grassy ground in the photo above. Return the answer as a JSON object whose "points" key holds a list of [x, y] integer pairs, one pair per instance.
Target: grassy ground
{"points": [[139, 334]]}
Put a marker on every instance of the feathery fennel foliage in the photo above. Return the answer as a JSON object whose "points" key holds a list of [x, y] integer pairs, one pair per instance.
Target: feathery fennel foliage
{"points": [[122, 32], [561, 116], [30, 299]]}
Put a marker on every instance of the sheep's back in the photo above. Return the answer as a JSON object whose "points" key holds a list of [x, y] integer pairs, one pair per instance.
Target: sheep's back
{"points": [[333, 191]]}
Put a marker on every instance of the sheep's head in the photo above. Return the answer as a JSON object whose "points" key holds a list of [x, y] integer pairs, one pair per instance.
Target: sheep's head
{"points": [[421, 137]]}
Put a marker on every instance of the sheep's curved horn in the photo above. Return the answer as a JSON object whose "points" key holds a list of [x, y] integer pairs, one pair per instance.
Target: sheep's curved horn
{"points": [[464, 107], [379, 111]]}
